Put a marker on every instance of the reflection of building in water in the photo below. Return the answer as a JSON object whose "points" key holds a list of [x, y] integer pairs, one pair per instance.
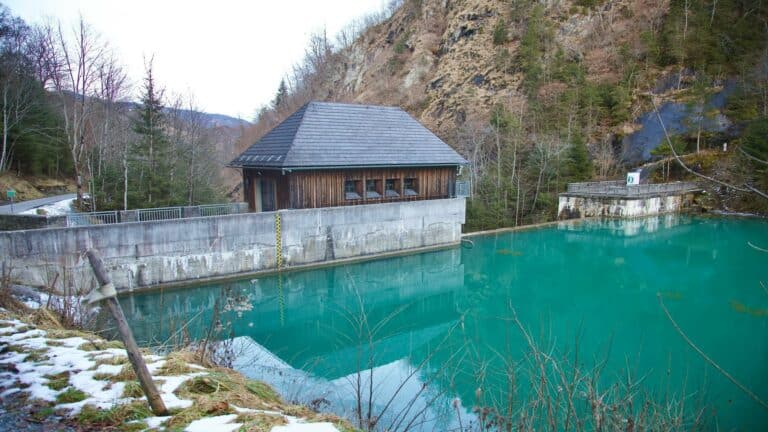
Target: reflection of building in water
{"points": [[311, 319], [625, 227]]}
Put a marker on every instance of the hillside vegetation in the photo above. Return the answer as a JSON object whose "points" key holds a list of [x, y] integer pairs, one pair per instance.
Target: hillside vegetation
{"points": [[538, 94], [66, 115]]}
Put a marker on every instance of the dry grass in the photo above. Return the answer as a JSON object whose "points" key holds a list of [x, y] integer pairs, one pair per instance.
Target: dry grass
{"points": [[125, 374], [213, 393], [58, 381], [259, 422], [98, 419], [100, 345], [176, 363], [133, 390], [114, 361], [201, 407]]}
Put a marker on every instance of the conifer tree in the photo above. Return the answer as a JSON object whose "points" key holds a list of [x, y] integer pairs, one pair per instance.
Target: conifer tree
{"points": [[282, 93], [152, 170], [578, 167]]}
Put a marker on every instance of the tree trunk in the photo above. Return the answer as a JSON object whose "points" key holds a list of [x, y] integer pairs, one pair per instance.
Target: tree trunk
{"points": [[125, 178]]}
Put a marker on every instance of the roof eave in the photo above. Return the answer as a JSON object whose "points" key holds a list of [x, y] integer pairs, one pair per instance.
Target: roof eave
{"points": [[363, 166]]}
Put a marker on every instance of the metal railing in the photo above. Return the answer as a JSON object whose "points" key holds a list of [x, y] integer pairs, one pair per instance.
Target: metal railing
{"points": [[217, 209], [94, 218], [463, 188], [155, 214], [619, 188]]}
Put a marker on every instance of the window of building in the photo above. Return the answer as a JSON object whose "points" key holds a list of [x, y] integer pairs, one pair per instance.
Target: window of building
{"points": [[352, 189], [373, 188], [410, 186], [392, 188]]}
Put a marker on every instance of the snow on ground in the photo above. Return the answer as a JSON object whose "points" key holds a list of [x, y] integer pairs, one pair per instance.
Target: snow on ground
{"points": [[214, 424], [56, 209], [297, 425], [33, 363]]}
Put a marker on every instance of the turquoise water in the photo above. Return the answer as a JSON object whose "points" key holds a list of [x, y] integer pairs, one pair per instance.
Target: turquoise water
{"points": [[442, 332]]}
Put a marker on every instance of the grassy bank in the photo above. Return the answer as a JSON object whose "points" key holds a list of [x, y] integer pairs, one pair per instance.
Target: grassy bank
{"points": [[87, 382]]}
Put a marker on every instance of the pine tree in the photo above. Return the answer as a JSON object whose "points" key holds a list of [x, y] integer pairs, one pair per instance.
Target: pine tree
{"points": [[578, 167], [152, 171], [282, 93]]}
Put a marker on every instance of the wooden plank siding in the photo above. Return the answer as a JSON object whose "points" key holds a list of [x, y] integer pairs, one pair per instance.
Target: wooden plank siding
{"points": [[325, 188]]}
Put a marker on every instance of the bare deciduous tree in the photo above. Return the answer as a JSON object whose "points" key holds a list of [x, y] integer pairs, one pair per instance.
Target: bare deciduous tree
{"points": [[71, 65]]}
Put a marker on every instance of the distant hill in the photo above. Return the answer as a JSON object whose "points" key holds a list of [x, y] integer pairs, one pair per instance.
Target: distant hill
{"points": [[211, 120]]}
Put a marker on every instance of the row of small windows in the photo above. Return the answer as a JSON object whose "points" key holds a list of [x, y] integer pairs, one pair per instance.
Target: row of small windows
{"points": [[353, 189]]}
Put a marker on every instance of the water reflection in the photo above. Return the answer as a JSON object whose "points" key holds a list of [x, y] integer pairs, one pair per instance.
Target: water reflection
{"points": [[442, 333]]}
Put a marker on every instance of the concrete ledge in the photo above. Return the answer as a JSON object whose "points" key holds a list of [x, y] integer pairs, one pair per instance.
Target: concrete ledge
{"points": [[144, 254], [575, 206]]}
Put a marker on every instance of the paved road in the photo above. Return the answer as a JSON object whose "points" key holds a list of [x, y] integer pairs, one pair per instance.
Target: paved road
{"points": [[27, 205]]}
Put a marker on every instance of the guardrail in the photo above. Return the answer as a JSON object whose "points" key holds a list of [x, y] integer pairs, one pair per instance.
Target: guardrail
{"points": [[618, 188], [153, 214], [93, 218], [216, 209]]}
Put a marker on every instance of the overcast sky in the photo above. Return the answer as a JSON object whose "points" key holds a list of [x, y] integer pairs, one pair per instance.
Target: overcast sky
{"points": [[230, 54]]}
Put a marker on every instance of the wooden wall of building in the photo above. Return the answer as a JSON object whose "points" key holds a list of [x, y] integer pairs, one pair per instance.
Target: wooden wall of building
{"points": [[325, 188]]}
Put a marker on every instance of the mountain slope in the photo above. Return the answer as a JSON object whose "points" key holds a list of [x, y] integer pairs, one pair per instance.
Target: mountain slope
{"points": [[525, 89]]}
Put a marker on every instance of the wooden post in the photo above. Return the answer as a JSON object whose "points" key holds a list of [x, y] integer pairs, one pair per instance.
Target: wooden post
{"points": [[134, 355]]}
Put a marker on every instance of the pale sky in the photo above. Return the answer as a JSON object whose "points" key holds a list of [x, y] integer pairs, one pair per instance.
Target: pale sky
{"points": [[231, 54]]}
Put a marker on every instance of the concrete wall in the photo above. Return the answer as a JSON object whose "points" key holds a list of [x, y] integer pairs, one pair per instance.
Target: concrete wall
{"points": [[574, 207], [10, 222], [148, 253]]}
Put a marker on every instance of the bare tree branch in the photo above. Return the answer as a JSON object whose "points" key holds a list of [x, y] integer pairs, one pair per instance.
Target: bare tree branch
{"points": [[708, 359]]}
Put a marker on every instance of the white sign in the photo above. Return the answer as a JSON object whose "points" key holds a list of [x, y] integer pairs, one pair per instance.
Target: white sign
{"points": [[633, 178]]}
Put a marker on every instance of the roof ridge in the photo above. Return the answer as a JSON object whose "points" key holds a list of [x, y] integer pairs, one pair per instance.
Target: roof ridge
{"points": [[292, 144], [356, 104]]}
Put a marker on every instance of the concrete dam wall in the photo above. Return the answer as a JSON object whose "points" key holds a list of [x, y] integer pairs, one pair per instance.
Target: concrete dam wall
{"points": [[574, 207], [143, 254]]}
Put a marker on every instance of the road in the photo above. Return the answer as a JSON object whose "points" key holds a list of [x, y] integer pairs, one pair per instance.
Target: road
{"points": [[27, 205]]}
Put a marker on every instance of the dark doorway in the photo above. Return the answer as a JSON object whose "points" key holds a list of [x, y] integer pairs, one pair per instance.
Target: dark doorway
{"points": [[268, 202]]}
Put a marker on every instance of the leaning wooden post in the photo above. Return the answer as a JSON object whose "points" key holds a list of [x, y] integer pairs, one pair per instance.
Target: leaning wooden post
{"points": [[106, 292]]}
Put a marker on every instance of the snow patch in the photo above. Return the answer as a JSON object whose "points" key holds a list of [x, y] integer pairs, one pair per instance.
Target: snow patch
{"points": [[214, 424], [55, 209], [298, 425]]}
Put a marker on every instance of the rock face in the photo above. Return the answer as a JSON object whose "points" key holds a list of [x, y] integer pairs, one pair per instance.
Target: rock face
{"points": [[438, 60]]}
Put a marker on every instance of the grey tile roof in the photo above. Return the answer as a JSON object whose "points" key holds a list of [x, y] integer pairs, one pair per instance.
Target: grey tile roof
{"points": [[325, 135]]}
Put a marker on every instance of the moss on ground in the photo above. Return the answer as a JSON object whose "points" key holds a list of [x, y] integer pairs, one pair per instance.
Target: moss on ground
{"points": [[71, 395], [118, 416], [262, 390], [58, 381]]}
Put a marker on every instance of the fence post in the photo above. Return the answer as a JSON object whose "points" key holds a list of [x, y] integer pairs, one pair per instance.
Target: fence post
{"points": [[134, 355]]}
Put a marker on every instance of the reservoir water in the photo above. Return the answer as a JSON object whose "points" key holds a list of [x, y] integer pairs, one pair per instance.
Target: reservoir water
{"points": [[547, 326]]}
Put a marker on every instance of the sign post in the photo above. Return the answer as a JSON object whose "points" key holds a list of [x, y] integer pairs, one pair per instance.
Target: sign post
{"points": [[11, 194]]}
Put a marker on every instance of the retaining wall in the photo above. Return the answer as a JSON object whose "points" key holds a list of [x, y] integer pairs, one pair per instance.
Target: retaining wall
{"points": [[144, 254], [574, 207]]}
